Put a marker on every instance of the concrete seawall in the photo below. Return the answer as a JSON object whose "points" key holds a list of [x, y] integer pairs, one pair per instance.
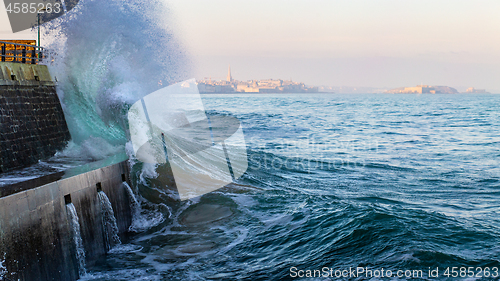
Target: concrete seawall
{"points": [[36, 241], [32, 124]]}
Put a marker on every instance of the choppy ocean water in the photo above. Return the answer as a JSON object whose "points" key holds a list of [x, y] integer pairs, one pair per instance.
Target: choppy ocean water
{"points": [[393, 182]]}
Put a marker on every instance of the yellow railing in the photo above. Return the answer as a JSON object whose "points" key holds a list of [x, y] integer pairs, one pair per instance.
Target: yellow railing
{"points": [[20, 53]]}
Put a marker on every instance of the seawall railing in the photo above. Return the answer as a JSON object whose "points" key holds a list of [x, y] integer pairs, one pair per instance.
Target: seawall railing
{"points": [[20, 53]]}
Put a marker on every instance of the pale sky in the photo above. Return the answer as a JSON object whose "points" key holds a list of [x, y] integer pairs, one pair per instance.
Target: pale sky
{"points": [[375, 43], [378, 43]]}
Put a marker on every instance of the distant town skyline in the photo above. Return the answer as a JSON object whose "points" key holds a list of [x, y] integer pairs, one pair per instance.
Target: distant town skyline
{"points": [[359, 43], [230, 85], [279, 85]]}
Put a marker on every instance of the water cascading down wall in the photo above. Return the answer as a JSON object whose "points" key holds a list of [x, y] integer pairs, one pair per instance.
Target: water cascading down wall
{"points": [[36, 230], [37, 216]]}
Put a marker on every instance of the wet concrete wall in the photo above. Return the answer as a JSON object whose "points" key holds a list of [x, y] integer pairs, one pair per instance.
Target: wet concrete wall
{"points": [[32, 124], [36, 240]]}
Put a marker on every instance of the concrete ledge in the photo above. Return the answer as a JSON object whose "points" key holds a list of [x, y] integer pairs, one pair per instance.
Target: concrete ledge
{"points": [[29, 184], [36, 241], [25, 75]]}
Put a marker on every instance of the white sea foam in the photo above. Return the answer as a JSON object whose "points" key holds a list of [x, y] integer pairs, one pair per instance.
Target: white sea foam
{"points": [[109, 221], [91, 149], [3, 269], [141, 219], [77, 238]]}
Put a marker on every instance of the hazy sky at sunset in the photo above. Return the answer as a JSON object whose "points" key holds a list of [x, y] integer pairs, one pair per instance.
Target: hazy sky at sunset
{"points": [[357, 42], [382, 43]]}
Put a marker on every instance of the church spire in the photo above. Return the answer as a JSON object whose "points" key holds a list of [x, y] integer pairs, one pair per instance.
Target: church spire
{"points": [[229, 77]]}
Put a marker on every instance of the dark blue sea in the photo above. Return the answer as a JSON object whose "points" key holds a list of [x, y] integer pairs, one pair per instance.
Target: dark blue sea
{"points": [[335, 183]]}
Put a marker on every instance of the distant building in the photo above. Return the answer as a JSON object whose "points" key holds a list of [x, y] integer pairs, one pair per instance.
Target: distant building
{"points": [[247, 88], [424, 89], [229, 77], [472, 90], [421, 89]]}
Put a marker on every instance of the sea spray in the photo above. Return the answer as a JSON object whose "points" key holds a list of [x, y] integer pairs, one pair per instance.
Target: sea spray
{"points": [[77, 237], [108, 55], [108, 221], [92, 149], [134, 204], [3, 269]]}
